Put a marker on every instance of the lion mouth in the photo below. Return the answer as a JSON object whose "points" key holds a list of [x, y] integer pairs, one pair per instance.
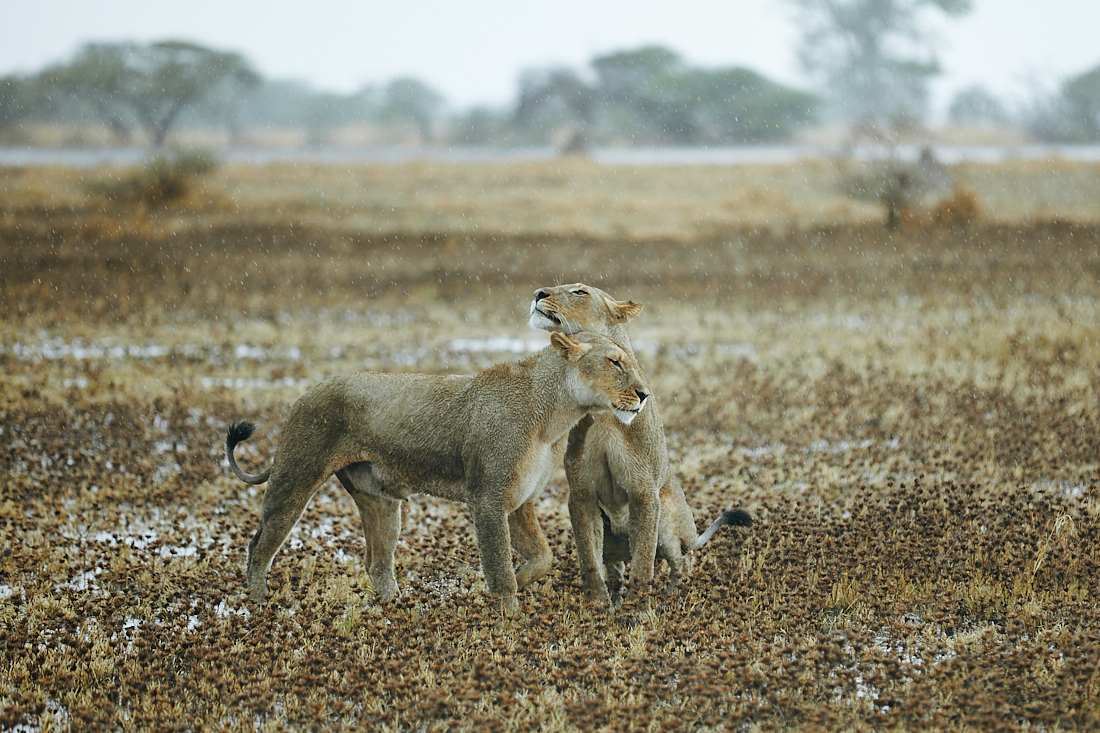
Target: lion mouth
{"points": [[548, 316]]}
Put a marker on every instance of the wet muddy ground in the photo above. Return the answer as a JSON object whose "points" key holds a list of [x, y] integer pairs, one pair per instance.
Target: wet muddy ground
{"points": [[911, 417]]}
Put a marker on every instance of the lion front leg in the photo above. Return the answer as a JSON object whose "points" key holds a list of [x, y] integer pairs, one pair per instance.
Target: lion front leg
{"points": [[586, 469], [588, 530], [495, 547], [529, 541], [645, 513]]}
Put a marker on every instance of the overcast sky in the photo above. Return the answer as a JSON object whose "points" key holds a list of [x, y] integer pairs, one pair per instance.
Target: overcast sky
{"points": [[473, 50]]}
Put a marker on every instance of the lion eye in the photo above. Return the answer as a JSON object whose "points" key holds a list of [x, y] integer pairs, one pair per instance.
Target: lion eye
{"points": [[579, 292], [616, 363]]}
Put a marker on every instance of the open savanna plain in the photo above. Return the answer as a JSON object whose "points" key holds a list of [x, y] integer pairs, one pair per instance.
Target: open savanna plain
{"points": [[910, 415]]}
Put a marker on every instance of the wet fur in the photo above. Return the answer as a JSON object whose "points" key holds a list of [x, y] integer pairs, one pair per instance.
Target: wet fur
{"points": [[490, 440], [625, 503]]}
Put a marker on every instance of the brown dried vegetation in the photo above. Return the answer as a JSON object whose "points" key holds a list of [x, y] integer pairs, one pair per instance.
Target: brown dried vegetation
{"points": [[911, 416]]}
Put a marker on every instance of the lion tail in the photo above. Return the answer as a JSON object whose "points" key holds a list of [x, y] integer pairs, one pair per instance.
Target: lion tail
{"points": [[734, 517], [237, 433]]}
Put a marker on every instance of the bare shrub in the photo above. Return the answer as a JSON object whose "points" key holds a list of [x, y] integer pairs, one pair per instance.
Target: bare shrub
{"points": [[960, 209], [899, 185], [163, 180]]}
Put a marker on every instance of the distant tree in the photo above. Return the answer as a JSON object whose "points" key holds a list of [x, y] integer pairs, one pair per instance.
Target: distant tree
{"points": [[1047, 116], [873, 57], [479, 126], [13, 104], [147, 86], [323, 112], [739, 105], [650, 94], [630, 75], [640, 90], [99, 78], [554, 98], [412, 104], [224, 104], [1082, 95], [977, 106]]}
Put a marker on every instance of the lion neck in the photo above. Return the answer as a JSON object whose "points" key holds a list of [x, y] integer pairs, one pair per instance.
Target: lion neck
{"points": [[560, 398], [614, 331], [617, 333]]}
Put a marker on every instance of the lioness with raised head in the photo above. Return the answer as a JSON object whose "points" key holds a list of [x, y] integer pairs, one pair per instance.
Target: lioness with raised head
{"points": [[490, 440], [625, 503]]}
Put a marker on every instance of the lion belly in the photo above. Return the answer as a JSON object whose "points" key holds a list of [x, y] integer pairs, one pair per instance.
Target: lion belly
{"points": [[385, 483], [406, 430]]}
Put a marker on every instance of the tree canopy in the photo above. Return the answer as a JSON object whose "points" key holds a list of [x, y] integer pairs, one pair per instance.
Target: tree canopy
{"points": [[1082, 94], [410, 103], [12, 105], [873, 57], [130, 85], [649, 95]]}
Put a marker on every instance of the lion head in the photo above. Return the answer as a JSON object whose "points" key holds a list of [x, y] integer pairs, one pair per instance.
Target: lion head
{"points": [[578, 307]]}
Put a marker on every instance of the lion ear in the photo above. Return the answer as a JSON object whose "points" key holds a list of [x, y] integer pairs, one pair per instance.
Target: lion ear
{"points": [[569, 349], [622, 310]]}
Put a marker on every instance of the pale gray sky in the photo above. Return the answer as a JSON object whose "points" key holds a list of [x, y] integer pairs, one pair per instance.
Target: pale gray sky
{"points": [[473, 51]]}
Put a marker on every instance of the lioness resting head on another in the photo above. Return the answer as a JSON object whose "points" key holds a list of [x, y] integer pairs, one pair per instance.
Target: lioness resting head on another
{"points": [[625, 503], [490, 440]]}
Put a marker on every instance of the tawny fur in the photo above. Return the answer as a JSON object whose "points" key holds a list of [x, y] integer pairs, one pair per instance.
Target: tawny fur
{"points": [[490, 440], [625, 502]]}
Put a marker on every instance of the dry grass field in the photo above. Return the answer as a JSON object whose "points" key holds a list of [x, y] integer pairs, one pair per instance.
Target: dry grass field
{"points": [[912, 416]]}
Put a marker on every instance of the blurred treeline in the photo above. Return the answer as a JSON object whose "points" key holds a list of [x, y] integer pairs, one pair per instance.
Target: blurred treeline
{"points": [[127, 93], [650, 96]]}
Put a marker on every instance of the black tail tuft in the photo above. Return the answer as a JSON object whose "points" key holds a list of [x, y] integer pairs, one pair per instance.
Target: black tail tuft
{"points": [[238, 432], [737, 518]]}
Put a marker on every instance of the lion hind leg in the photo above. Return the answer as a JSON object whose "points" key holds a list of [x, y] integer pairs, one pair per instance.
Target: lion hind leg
{"points": [[530, 542], [273, 531], [285, 499], [380, 516], [679, 564]]}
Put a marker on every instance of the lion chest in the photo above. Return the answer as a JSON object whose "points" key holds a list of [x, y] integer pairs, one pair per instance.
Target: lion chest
{"points": [[618, 470], [532, 473]]}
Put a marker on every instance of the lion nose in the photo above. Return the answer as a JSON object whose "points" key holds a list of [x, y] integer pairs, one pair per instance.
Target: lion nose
{"points": [[540, 294], [641, 395]]}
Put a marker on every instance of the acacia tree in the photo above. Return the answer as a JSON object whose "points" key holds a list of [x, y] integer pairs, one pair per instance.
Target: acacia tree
{"points": [[147, 86], [739, 105], [97, 77], [873, 57]]}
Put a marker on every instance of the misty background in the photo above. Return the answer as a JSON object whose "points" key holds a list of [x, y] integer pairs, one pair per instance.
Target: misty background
{"points": [[489, 74]]}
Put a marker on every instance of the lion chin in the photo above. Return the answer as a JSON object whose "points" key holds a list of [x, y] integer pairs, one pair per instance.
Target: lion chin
{"points": [[626, 416]]}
